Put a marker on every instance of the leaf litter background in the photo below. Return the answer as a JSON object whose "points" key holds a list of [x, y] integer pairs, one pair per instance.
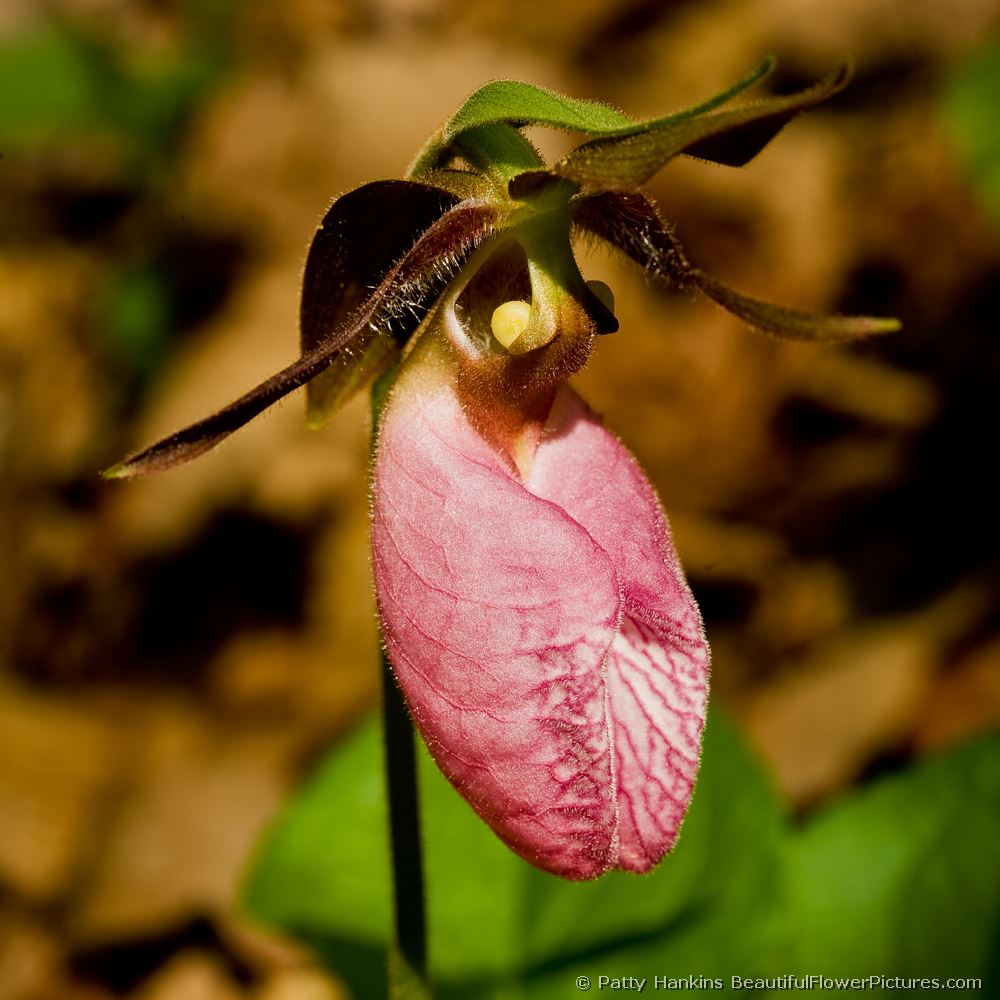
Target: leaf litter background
{"points": [[177, 655]]}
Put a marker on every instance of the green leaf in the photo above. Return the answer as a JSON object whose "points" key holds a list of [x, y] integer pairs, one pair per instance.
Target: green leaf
{"points": [[360, 238], [519, 104], [323, 870], [523, 103], [498, 152], [904, 877], [405, 983], [473, 882], [322, 873], [515, 103], [630, 157], [972, 114], [901, 878], [324, 866]]}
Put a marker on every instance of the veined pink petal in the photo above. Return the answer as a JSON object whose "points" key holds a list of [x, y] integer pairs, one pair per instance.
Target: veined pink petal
{"points": [[657, 667], [541, 630]]}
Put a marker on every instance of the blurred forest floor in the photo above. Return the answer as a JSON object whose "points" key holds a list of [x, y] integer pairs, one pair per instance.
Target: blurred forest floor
{"points": [[175, 653]]}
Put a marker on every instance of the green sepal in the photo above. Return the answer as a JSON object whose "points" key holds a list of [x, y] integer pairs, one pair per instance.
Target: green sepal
{"points": [[361, 236], [465, 185], [521, 104], [632, 156], [790, 324], [499, 152]]}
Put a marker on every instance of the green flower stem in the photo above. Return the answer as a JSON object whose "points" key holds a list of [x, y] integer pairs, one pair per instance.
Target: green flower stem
{"points": [[408, 947], [408, 951]]}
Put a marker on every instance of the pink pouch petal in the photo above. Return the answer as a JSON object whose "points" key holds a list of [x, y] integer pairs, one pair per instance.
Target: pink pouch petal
{"points": [[497, 612], [542, 632]]}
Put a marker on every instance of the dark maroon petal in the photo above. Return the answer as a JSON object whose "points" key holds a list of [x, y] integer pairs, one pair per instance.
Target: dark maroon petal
{"points": [[630, 221], [436, 255], [360, 238]]}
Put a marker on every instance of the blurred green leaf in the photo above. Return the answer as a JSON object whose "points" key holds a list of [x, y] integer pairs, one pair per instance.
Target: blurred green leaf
{"points": [[322, 873], [49, 81], [133, 318], [156, 103], [730, 838], [710, 908], [972, 114], [903, 878], [59, 80], [323, 869]]}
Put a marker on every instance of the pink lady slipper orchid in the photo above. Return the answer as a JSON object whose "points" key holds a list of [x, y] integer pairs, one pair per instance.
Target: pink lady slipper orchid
{"points": [[537, 619], [533, 608]]}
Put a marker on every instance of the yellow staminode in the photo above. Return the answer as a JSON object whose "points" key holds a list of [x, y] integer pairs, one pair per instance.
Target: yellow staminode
{"points": [[510, 320]]}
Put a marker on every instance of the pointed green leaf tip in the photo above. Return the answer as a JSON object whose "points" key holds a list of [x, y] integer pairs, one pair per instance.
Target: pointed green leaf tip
{"points": [[512, 102]]}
